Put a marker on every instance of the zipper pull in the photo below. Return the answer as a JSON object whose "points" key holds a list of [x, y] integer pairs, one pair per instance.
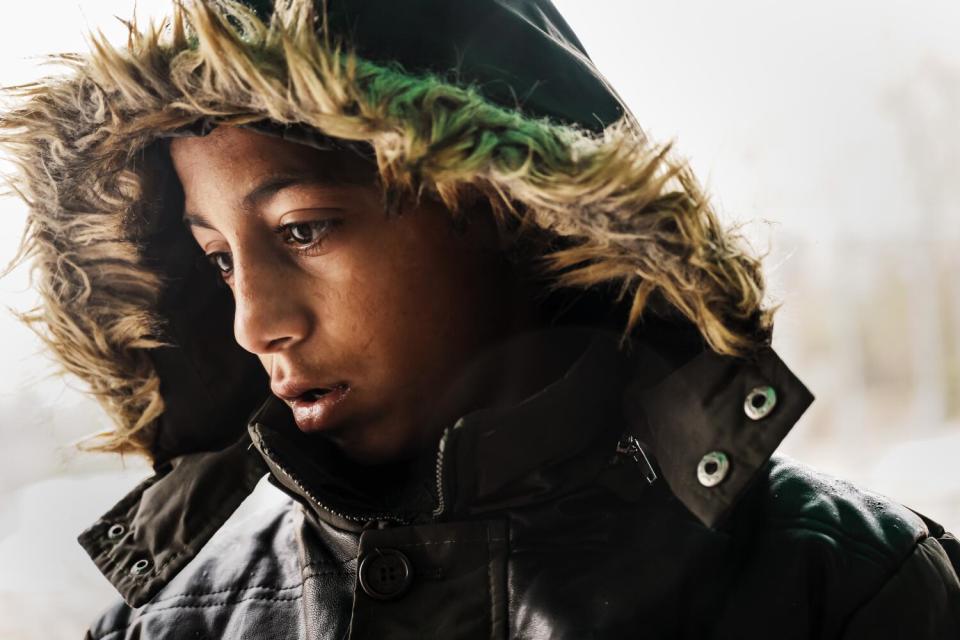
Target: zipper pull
{"points": [[630, 447]]}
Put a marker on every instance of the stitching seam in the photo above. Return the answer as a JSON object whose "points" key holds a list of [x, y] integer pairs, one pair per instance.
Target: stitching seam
{"points": [[212, 605]]}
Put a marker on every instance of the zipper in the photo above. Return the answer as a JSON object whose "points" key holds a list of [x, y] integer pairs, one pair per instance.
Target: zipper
{"points": [[439, 469], [441, 497], [441, 459], [313, 498], [631, 448]]}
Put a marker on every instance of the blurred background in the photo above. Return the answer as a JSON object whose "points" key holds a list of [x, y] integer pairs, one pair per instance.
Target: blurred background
{"points": [[830, 130]]}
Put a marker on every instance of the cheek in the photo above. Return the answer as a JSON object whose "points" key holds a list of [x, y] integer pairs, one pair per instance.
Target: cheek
{"points": [[414, 301]]}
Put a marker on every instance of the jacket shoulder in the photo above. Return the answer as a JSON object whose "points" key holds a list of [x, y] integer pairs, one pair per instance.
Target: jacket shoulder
{"points": [[807, 504], [831, 556], [245, 572]]}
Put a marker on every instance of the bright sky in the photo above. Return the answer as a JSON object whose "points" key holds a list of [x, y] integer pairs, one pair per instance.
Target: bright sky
{"points": [[784, 108]]}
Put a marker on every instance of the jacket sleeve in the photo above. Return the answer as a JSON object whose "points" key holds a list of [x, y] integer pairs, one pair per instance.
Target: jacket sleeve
{"points": [[920, 600]]}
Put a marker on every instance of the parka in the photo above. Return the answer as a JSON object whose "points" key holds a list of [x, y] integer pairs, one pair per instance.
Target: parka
{"points": [[636, 493]]}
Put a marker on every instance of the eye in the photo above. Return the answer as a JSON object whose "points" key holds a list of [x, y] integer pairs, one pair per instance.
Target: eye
{"points": [[305, 234], [222, 262]]}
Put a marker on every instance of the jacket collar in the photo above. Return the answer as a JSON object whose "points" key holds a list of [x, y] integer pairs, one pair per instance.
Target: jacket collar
{"points": [[711, 421], [522, 449], [151, 534], [693, 413], [551, 443], [690, 412]]}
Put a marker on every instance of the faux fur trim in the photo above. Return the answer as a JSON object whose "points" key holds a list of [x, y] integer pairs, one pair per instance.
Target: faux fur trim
{"points": [[636, 215]]}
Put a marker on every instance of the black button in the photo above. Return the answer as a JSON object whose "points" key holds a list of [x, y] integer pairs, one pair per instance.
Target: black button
{"points": [[385, 574]]}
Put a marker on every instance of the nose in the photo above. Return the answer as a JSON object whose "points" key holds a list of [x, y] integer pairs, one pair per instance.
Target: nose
{"points": [[271, 314]]}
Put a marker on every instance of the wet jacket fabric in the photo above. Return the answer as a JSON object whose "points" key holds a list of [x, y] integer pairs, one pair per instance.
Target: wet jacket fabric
{"points": [[636, 494]]}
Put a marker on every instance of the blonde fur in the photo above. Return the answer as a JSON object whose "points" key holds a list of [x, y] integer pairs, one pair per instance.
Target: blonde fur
{"points": [[636, 215]]}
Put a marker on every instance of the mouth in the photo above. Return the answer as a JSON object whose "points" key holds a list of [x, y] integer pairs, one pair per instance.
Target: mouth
{"points": [[314, 394], [314, 408]]}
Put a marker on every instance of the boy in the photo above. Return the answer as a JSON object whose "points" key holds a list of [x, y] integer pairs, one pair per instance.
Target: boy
{"points": [[417, 264]]}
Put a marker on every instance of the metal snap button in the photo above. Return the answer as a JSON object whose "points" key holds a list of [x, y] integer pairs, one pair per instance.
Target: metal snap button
{"points": [[116, 531], [713, 468], [759, 402], [385, 574], [139, 567]]}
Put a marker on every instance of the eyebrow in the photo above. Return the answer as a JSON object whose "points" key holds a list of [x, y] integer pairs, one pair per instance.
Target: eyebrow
{"points": [[264, 191]]}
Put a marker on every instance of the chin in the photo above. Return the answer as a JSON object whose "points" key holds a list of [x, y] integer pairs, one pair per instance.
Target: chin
{"points": [[372, 449]]}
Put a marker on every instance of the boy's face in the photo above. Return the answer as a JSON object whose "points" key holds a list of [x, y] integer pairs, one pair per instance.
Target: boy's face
{"points": [[361, 321]]}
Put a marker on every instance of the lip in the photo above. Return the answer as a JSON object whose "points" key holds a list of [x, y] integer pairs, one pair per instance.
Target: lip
{"points": [[313, 413]]}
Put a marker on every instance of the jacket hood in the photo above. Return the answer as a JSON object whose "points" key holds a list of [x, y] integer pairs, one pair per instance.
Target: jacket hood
{"points": [[455, 100]]}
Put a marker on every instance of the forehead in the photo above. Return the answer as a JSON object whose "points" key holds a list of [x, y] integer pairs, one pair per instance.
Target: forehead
{"points": [[237, 156]]}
